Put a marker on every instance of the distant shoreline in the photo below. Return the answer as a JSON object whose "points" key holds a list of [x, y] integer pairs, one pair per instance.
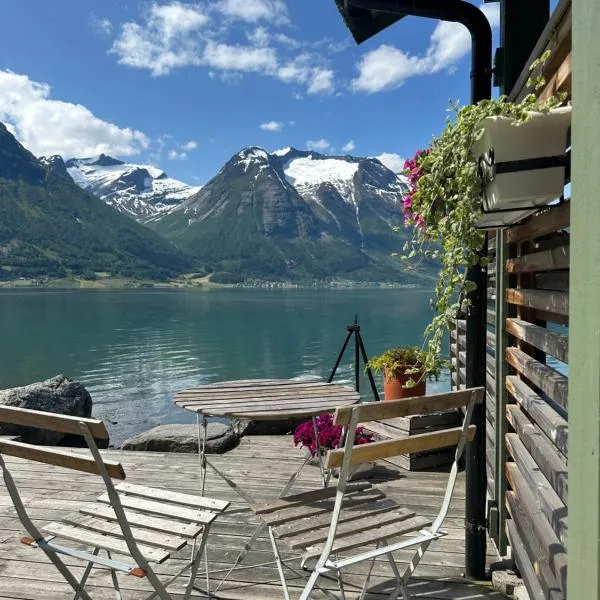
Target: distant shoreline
{"points": [[188, 283]]}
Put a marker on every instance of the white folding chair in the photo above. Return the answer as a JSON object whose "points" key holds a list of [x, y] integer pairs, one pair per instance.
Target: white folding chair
{"points": [[143, 524], [347, 519]]}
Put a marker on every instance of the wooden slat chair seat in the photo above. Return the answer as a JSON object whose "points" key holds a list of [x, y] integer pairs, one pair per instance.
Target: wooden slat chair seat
{"points": [[141, 524], [355, 517]]}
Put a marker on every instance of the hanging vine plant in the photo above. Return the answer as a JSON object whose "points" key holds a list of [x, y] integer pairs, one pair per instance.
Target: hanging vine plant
{"points": [[443, 205]]}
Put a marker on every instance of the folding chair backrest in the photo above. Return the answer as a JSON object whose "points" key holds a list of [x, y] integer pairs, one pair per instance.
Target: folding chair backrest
{"points": [[380, 411], [90, 429], [353, 455]]}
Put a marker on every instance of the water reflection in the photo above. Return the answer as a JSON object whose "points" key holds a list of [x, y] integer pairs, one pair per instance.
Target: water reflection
{"points": [[134, 349]]}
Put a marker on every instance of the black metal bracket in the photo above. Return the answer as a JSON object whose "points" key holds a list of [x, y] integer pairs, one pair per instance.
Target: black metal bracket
{"points": [[359, 350]]}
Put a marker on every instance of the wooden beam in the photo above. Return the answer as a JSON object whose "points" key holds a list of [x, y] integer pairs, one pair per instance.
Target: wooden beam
{"points": [[552, 302], [546, 260], [416, 443], [548, 420], [419, 405], [550, 462], [51, 421], [552, 219], [59, 458], [552, 506], [553, 551], [555, 344], [551, 382], [561, 80], [534, 548]]}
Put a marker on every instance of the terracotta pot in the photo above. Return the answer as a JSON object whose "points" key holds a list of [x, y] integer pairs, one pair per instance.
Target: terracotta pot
{"points": [[393, 389]]}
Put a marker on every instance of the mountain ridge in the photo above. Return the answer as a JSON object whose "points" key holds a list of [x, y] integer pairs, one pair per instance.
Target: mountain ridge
{"points": [[50, 227], [137, 190], [295, 214]]}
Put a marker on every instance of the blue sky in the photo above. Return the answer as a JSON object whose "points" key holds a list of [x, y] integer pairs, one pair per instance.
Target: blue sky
{"points": [[185, 85]]}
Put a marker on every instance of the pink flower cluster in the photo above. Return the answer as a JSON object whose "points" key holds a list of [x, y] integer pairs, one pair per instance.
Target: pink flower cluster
{"points": [[413, 173], [329, 434]]}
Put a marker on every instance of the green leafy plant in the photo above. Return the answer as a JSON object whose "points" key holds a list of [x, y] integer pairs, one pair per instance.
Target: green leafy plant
{"points": [[406, 360], [444, 203]]}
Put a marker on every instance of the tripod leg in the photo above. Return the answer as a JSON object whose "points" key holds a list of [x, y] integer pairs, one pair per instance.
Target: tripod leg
{"points": [[339, 358], [369, 373]]}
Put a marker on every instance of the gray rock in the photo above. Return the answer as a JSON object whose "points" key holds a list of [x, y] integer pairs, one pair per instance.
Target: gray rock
{"points": [[59, 395], [183, 438]]}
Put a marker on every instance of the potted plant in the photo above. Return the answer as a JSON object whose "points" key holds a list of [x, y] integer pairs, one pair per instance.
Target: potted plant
{"points": [[329, 436], [404, 373], [443, 204]]}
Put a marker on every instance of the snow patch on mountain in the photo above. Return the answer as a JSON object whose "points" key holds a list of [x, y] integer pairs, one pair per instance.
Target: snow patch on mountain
{"points": [[249, 156], [141, 191], [307, 173], [282, 151]]}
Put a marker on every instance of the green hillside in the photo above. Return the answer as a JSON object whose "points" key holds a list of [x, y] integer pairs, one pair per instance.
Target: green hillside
{"points": [[51, 227]]}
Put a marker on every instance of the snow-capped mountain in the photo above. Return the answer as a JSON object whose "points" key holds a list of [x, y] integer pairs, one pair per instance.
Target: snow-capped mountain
{"points": [[294, 214], [140, 191]]}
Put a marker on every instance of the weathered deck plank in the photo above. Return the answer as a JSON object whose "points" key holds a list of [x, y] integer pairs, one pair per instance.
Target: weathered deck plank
{"points": [[261, 465]]}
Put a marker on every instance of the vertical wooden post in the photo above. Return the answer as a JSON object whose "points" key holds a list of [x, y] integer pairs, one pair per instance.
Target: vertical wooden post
{"points": [[584, 317]]}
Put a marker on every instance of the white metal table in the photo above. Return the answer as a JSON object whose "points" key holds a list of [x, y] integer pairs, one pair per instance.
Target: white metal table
{"points": [[261, 400]]}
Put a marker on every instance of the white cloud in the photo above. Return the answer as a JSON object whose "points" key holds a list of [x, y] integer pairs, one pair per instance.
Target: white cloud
{"points": [[189, 146], [239, 58], [252, 11], [321, 145], [178, 35], [168, 39], [349, 146], [304, 70], [174, 155], [100, 25], [387, 67], [321, 82], [392, 161], [272, 126], [259, 36], [47, 126]]}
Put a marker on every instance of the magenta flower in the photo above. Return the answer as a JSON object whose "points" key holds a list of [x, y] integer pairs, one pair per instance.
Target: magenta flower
{"points": [[329, 434]]}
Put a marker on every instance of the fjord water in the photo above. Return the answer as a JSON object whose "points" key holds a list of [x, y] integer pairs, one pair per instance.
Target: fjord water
{"points": [[133, 349]]}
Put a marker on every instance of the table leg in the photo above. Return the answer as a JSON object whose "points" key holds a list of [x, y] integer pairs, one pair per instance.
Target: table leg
{"points": [[202, 450]]}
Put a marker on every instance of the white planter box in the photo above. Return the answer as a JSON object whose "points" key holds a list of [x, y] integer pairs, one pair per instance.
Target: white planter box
{"points": [[498, 220], [544, 135]]}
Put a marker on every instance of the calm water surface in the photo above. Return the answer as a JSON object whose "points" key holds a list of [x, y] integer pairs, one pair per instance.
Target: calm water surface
{"points": [[134, 349]]}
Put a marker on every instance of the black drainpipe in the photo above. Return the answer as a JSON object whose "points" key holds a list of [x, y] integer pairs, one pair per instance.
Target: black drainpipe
{"points": [[481, 89]]}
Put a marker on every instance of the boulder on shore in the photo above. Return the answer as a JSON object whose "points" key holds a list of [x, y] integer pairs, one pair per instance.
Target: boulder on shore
{"points": [[183, 438], [60, 395]]}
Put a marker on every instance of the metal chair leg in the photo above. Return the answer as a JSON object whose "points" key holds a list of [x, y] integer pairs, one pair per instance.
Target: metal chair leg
{"points": [[86, 574], [341, 585], [363, 591], [195, 565], [312, 581], [279, 563], [115, 581]]}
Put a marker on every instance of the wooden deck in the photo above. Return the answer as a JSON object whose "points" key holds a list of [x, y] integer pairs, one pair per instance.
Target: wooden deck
{"points": [[261, 465]]}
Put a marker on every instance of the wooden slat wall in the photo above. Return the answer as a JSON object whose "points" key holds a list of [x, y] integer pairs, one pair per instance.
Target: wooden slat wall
{"points": [[537, 386]]}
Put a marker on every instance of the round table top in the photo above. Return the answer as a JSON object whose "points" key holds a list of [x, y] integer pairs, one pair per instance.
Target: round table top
{"points": [[266, 399]]}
